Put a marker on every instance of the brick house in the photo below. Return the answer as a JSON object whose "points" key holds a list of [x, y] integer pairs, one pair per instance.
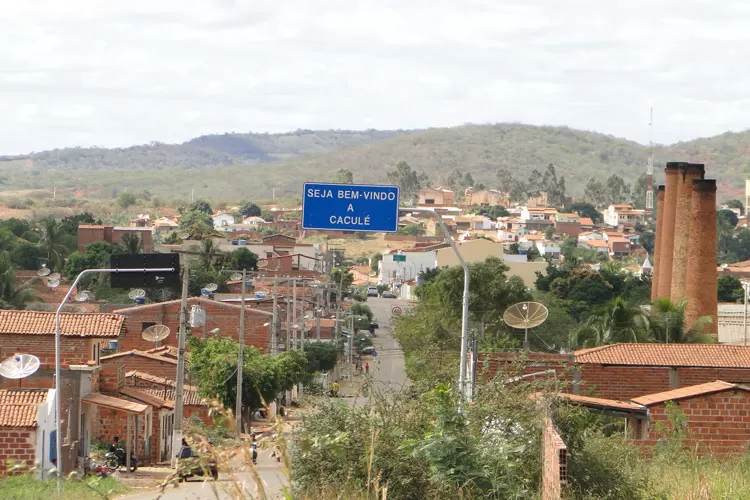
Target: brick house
{"points": [[626, 371], [114, 367], [26, 423], [90, 233], [568, 224], [219, 315]]}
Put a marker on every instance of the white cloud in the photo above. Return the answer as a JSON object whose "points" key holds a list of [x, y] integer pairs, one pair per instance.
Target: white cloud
{"points": [[86, 72]]}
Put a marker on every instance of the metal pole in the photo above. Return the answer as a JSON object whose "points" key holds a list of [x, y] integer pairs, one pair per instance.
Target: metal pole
{"points": [[274, 331], [746, 290], [317, 313], [180, 381], [294, 313], [464, 304], [240, 357]]}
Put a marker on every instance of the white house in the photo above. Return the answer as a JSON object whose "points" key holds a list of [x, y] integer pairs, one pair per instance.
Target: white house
{"points": [[590, 235], [407, 266], [623, 213], [548, 248], [223, 221]]}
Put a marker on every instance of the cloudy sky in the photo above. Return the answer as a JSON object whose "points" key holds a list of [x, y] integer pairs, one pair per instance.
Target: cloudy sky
{"points": [[100, 72]]}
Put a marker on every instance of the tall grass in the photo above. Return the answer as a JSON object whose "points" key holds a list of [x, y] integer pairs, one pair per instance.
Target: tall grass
{"points": [[27, 487]]}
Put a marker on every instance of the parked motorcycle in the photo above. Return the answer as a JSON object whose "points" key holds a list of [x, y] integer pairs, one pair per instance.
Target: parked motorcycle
{"points": [[91, 468], [117, 458]]}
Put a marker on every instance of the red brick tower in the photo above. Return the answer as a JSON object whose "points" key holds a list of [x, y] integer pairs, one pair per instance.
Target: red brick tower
{"points": [[688, 172], [657, 242], [666, 230], [701, 262]]}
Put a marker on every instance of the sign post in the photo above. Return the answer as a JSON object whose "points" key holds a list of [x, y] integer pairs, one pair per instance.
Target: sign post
{"points": [[350, 207]]}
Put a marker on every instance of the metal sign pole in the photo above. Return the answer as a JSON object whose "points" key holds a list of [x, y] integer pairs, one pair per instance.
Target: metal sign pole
{"points": [[240, 358], [180, 381]]}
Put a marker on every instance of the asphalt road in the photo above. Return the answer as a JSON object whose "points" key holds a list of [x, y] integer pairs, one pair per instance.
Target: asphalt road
{"points": [[388, 373]]}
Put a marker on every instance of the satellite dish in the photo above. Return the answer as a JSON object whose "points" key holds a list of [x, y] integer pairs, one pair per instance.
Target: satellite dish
{"points": [[724, 266], [81, 297], [44, 271], [136, 293], [525, 315], [155, 333], [236, 276], [212, 287], [55, 276], [19, 366], [53, 283]]}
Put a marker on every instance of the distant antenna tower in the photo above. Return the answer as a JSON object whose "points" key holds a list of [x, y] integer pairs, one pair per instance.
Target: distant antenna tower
{"points": [[650, 165]]}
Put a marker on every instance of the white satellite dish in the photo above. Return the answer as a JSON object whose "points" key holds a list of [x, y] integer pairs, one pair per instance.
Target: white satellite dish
{"points": [[44, 271], [211, 287], [81, 297], [236, 276], [136, 293], [19, 366], [53, 283], [525, 315], [155, 333], [55, 276]]}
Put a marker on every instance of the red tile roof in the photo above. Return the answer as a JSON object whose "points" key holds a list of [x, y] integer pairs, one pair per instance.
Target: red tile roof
{"points": [[96, 325], [704, 355], [113, 403], [18, 407], [135, 374], [189, 397], [586, 221], [191, 301], [145, 397], [688, 392]]}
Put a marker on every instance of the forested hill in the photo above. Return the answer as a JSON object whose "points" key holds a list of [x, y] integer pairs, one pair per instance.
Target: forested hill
{"points": [[233, 166]]}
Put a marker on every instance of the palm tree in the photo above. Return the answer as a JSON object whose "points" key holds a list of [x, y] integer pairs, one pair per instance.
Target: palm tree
{"points": [[622, 322], [132, 243], [51, 243], [207, 253], [668, 324], [12, 296]]}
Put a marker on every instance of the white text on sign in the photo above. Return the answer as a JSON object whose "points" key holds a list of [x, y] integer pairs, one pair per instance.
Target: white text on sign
{"points": [[350, 194]]}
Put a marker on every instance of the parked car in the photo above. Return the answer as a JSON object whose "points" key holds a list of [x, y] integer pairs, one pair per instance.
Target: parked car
{"points": [[388, 295], [369, 351], [372, 291]]}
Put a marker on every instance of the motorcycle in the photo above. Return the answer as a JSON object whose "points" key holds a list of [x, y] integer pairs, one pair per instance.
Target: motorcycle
{"points": [[90, 467], [116, 459]]}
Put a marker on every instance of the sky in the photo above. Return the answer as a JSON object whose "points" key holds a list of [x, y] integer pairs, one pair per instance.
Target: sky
{"points": [[105, 73]]}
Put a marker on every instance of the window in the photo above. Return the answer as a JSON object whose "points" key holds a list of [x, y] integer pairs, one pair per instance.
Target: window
{"points": [[429, 201], [95, 349], [146, 324]]}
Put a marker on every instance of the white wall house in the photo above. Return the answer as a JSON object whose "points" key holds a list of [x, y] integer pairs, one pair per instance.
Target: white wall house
{"points": [[390, 271], [548, 248], [223, 221], [623, 213]]}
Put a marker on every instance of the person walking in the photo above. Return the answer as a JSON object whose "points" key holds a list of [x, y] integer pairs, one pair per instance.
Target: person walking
{"points": [[367, 368], [335, 389]]}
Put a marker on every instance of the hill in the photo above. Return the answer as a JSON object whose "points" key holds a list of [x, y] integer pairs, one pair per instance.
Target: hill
{"points": [[234, 166]]}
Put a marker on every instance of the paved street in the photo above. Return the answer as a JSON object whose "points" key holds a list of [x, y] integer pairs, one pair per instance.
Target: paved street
{"points": [[388, 372]]}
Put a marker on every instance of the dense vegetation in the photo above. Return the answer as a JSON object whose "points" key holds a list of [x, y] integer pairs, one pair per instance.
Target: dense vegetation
{"points": [[212, 164]]}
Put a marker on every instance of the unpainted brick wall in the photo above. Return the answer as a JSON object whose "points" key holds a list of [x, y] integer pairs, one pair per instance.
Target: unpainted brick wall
{"points": [[554, 462], [17, 444], [717, 424]]}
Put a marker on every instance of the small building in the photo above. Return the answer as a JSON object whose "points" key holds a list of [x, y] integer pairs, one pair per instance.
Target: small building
{"points": [[90, 233], [618, 215], [547, 248], [26, 425], [487, 198], [163, 226], [587, 224], [568, 224], [223, 221], [618, 247], [435, 197]]}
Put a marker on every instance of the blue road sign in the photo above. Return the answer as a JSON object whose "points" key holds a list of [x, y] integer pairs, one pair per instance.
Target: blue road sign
{"points": [[350, 207]]}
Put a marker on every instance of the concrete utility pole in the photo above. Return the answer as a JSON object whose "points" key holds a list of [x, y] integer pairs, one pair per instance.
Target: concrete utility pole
{"points": [[746, 292], [180, 380], [240, 357], [462, 386]]}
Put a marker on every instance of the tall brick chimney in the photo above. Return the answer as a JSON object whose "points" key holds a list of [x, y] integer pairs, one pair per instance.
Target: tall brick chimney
{"points": [[688, 172], [657, 242], [666, 230], [701, 280]]}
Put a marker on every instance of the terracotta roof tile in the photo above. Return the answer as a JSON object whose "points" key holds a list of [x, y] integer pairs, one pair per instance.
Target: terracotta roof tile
{"points": [[688, 392], [704, 355], [18, 407], [586, 221], [150, 378], [191, 301], [190, 396], [96, 325], [146, 397], [596, 243]]}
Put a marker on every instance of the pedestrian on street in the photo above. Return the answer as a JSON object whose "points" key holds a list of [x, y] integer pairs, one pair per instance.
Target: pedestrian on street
{"points": [[367, 368], [335, 387]]}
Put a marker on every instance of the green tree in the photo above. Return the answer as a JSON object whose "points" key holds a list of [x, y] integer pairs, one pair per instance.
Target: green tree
{"points": [[242, 258], [406, 179], [595, 192], [321, 356], [193, 217], [173, 238], [410, 229], [584, 209], [617, 190], [209, 253], [668, 324], [730, 289], [377, 257], [343, 277], [736, 204], [126, 199], [51, 243], [359, 309], [640, 186], [132, 243], [249, 209], [728, 216], [344, 176], [201, 206], [620, 322], [70, 224], [12, 296], [553, 186]]}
